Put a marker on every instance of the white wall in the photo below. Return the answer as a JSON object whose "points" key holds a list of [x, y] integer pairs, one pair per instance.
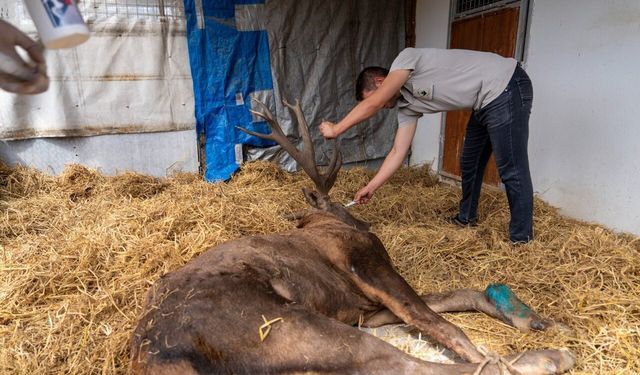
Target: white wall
{"points": [[583, 58], [432, 25], [157, 154]]}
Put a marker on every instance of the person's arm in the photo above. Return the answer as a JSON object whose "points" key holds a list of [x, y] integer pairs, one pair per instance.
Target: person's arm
{"points": [[16, 74], [369, 106], [392, 162]]}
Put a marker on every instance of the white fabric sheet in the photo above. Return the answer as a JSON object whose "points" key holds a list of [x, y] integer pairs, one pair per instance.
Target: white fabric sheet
{"points": [[131, 76]]}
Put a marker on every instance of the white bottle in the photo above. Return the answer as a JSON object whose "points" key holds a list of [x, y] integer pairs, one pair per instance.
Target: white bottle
{"points": [[59, 22]]}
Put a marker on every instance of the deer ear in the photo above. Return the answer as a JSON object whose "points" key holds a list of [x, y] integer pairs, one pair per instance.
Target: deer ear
{"points": [[312, 197]]}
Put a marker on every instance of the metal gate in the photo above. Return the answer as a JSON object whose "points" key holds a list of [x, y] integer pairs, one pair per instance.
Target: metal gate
{"points": [[465, 8]]}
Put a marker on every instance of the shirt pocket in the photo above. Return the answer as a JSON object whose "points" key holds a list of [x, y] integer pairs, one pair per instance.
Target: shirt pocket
{"points": [[424, 91]]}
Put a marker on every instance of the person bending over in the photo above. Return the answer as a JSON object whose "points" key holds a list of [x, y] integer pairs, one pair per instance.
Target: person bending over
{"points": [[495, 88]]}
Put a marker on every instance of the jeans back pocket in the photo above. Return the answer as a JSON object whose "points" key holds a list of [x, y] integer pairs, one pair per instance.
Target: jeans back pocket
{"points": [[525, 89]]}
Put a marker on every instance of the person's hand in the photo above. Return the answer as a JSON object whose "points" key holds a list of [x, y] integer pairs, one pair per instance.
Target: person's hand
{"points": [[16, 74], [363, 196], [328, 130]]}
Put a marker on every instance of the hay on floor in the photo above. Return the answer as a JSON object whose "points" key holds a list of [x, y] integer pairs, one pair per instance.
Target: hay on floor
{"points": [[78, 252]]}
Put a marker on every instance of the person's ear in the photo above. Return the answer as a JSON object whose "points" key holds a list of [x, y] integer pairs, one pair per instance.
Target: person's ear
{"points": [[378, 81]]}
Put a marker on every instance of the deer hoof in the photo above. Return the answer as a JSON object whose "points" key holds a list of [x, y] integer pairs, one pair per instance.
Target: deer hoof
{"points": [[544, 362]]}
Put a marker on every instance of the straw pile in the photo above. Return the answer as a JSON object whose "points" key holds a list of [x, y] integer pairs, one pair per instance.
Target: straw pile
{"points": [[78, 252]]}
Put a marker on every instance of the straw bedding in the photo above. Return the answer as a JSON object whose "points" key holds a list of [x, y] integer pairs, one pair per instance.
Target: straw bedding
{"points": [[78, 252]]}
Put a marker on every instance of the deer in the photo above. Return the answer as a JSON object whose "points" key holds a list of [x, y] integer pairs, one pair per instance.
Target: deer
{"points": [[292, 302]]}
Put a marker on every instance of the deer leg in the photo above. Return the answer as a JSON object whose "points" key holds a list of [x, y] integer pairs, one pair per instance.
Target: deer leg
{"points": [[226, 341], [305, 342], [377, 279], [497, 301], [239, 326], [309, 343], [538, 362]]}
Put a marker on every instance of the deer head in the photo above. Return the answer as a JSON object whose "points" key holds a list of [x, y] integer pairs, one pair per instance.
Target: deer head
{"points": [[323, 180]]}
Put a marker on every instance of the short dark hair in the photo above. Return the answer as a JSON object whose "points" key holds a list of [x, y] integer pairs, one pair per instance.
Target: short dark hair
{"points": [[366, 80]]}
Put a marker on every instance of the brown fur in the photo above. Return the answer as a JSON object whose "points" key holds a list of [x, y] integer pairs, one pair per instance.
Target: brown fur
{"points": [[317, 281], [320, 279]]}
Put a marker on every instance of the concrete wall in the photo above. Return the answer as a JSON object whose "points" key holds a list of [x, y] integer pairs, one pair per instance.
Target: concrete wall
{"points": [[157, 154], [583, 59], [582, 56], [432, 25]]}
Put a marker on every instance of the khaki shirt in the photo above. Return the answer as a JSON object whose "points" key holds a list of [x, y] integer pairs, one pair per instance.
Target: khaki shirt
{"points": [[449, 79]]}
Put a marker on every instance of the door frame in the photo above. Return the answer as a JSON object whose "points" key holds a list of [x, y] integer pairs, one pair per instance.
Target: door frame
{"points": [[522, 40]]}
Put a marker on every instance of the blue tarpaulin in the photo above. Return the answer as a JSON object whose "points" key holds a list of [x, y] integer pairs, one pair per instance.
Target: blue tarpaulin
{"points": [[308, 51], [227, 65]]}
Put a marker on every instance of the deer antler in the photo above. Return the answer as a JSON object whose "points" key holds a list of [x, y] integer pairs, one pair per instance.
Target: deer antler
{"points": [[305, 157]]}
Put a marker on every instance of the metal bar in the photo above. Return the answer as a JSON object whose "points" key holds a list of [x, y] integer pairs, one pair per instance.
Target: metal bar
{"points": [[466, 8], [199, 14], [161, 8], [523, 31], [134, 8]]}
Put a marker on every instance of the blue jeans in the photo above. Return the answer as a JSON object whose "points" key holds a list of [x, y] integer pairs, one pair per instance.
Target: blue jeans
{"points": [[502, 127]]}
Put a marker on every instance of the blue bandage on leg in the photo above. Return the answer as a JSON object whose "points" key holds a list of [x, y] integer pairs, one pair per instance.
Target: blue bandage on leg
{"points": [[506, 301]]}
